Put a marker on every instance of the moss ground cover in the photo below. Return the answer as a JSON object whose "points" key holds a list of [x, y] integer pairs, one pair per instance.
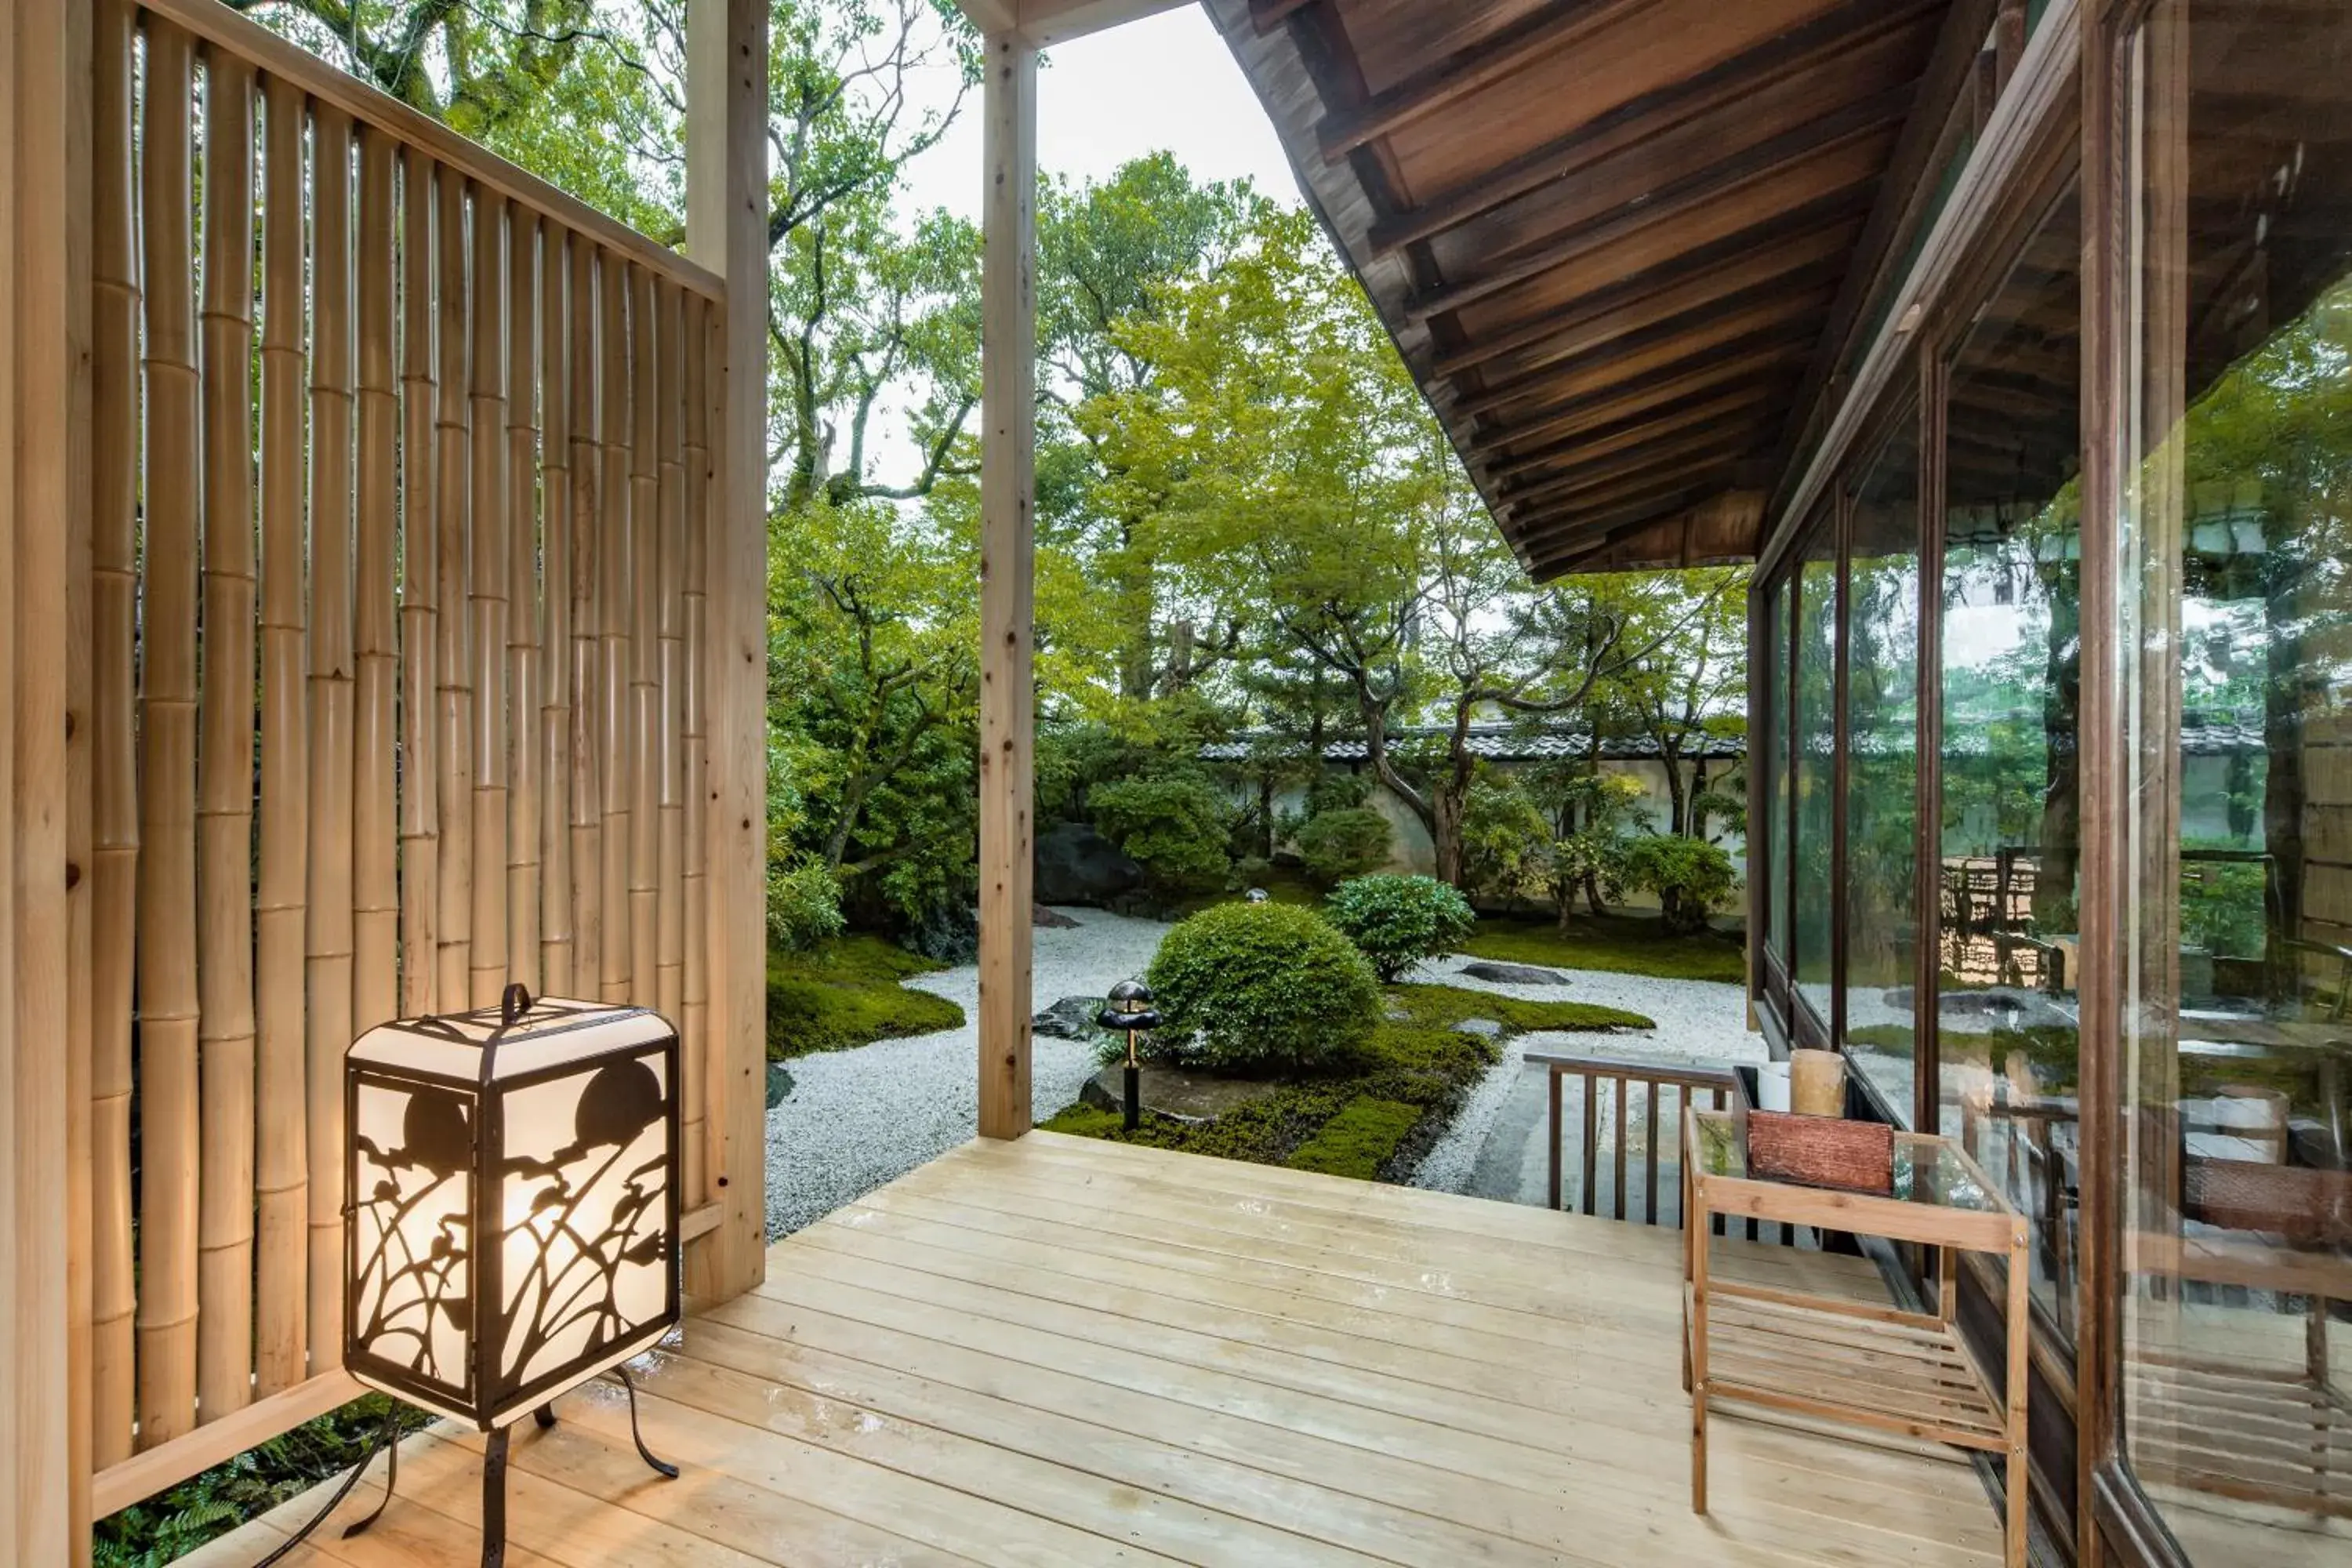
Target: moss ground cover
{"points": [[1620, 943], [1374, 1115], [848, 993]]}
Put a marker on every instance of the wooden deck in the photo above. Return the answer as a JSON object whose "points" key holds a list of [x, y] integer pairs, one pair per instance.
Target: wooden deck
{"points": [[1062, 1351]]}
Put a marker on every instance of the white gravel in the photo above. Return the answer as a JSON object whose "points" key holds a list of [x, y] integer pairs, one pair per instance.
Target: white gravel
{"points": [[856, 1120], [1697, 1020]]}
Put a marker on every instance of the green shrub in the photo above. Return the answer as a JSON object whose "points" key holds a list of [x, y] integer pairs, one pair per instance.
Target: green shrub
{"points": [[1396, 921], [1265, 988], [1690, 877], [803, 905], [1173, 826], [1348, 842], [1359, 1140]]}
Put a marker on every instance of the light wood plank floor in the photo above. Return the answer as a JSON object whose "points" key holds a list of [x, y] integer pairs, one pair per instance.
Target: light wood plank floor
{"points": [[1064, 1351]]}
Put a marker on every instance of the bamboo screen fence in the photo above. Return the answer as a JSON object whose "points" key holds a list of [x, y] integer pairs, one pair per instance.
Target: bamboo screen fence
{"points": [[403, 472]]}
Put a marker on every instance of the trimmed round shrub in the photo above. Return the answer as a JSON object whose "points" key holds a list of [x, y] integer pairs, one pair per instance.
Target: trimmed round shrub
{"points": [[1691, 877], [1173, 826], [1266, 988], [1337, 844], [1396, 921]]}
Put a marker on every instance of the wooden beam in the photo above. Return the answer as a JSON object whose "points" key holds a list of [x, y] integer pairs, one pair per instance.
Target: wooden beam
{"points": [[1265, 15], [1712, 368], [1666, 344], [1007, 569], [45, 1255], [1840, 128], [1674, 452], [1761, 257], [1900, 203], [1549, 29], [1041, 22], [726, 230], [1628, 433], [144, 1475], [1716, 104]]}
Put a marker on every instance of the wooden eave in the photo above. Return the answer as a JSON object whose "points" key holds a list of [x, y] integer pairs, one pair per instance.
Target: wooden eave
{"points": [[1622, 245]]}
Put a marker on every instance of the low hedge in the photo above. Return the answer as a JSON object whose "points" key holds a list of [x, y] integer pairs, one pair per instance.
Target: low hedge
{"points": [[1263, 988]]}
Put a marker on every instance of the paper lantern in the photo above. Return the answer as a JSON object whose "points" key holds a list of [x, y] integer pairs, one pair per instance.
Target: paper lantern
{"points": [[513, 1181]]}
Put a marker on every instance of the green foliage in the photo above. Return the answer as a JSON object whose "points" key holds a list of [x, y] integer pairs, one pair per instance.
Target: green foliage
{"points": [[1505, 840], [1396, 921], [1172, 823], [1690, 877], [1618, 944], [1359, 1140], [1343, 843], [846, 993], [1265, 988], [803, 905], [213, 1502]]}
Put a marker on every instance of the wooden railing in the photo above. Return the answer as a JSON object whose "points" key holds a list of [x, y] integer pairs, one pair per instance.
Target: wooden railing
{"points": [[1657, 1091], [403, 474]]}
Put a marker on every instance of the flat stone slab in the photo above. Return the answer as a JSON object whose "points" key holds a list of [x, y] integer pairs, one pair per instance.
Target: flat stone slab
{"points": [[1174, 1092], [1485, 1029], [1512, 973]]}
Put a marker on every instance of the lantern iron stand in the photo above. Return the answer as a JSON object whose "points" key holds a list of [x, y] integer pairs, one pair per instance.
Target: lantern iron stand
{"points": [[1129, 1008], [494, 1479]]}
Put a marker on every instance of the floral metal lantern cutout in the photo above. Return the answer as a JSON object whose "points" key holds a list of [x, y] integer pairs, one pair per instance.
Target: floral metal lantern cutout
{"points": [[513, 1220]]}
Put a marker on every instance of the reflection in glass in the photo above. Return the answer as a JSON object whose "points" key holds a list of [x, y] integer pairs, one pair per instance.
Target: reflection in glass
{"points": [[1774, 815], [1814, 760], [2009, 818], [1882, 768], [2237, 664]]}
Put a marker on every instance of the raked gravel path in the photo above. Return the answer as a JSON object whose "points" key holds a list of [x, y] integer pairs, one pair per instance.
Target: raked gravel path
{"points": [[856, 1120]]}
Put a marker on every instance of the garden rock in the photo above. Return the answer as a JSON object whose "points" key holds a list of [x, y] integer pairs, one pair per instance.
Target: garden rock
{"points": [[1485, 1029], [780, 1084], [1512, 973], [1175, 1092], [1045, 918], [1076, 864], [1071, 1019]]}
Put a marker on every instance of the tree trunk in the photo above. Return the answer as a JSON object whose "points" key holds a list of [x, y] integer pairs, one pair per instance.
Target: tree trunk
{"points": [[1445, 830]]}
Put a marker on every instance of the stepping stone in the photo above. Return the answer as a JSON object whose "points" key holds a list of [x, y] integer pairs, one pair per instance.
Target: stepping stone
{"points": [[1512, 973]]}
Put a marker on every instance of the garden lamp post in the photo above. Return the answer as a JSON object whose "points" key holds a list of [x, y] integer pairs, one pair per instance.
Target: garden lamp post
{"points": [[513, 1222], [1130, 1009]]}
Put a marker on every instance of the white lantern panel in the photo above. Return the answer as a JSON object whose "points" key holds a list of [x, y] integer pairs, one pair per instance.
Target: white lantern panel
{"points": [[412, 1206], [584, 1203]]}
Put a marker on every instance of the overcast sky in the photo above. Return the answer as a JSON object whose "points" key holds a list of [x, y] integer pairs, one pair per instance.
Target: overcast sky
{"points": [[1167, 81]]}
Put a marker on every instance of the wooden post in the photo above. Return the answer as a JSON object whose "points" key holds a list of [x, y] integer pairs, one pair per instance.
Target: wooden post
{"points": [[642, 742], [612, 561], [726, 230], [587, 807], [1007, 567], [44, 478]]}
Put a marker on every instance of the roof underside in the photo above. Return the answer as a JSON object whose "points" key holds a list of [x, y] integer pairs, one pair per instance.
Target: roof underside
{"points": [[1620, 243]]}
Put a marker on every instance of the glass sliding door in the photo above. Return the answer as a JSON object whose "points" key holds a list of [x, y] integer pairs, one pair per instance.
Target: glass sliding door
{"points": [[1774, 800], [1882, 819], [1814, 760], [2008, 937], [2236, 681]]}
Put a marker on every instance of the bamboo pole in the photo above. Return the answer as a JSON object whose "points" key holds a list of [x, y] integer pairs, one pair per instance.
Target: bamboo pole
{"points": [[224, 807], [169, 1113], [613, 561], [644, 652], [702, 392], [282, 1162], [587, 807], [669, 673], [327, 939], [114, 859], [523, 681], [487, 604], [420, 566], [375, 647], [453, 715], [555, 942]]}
